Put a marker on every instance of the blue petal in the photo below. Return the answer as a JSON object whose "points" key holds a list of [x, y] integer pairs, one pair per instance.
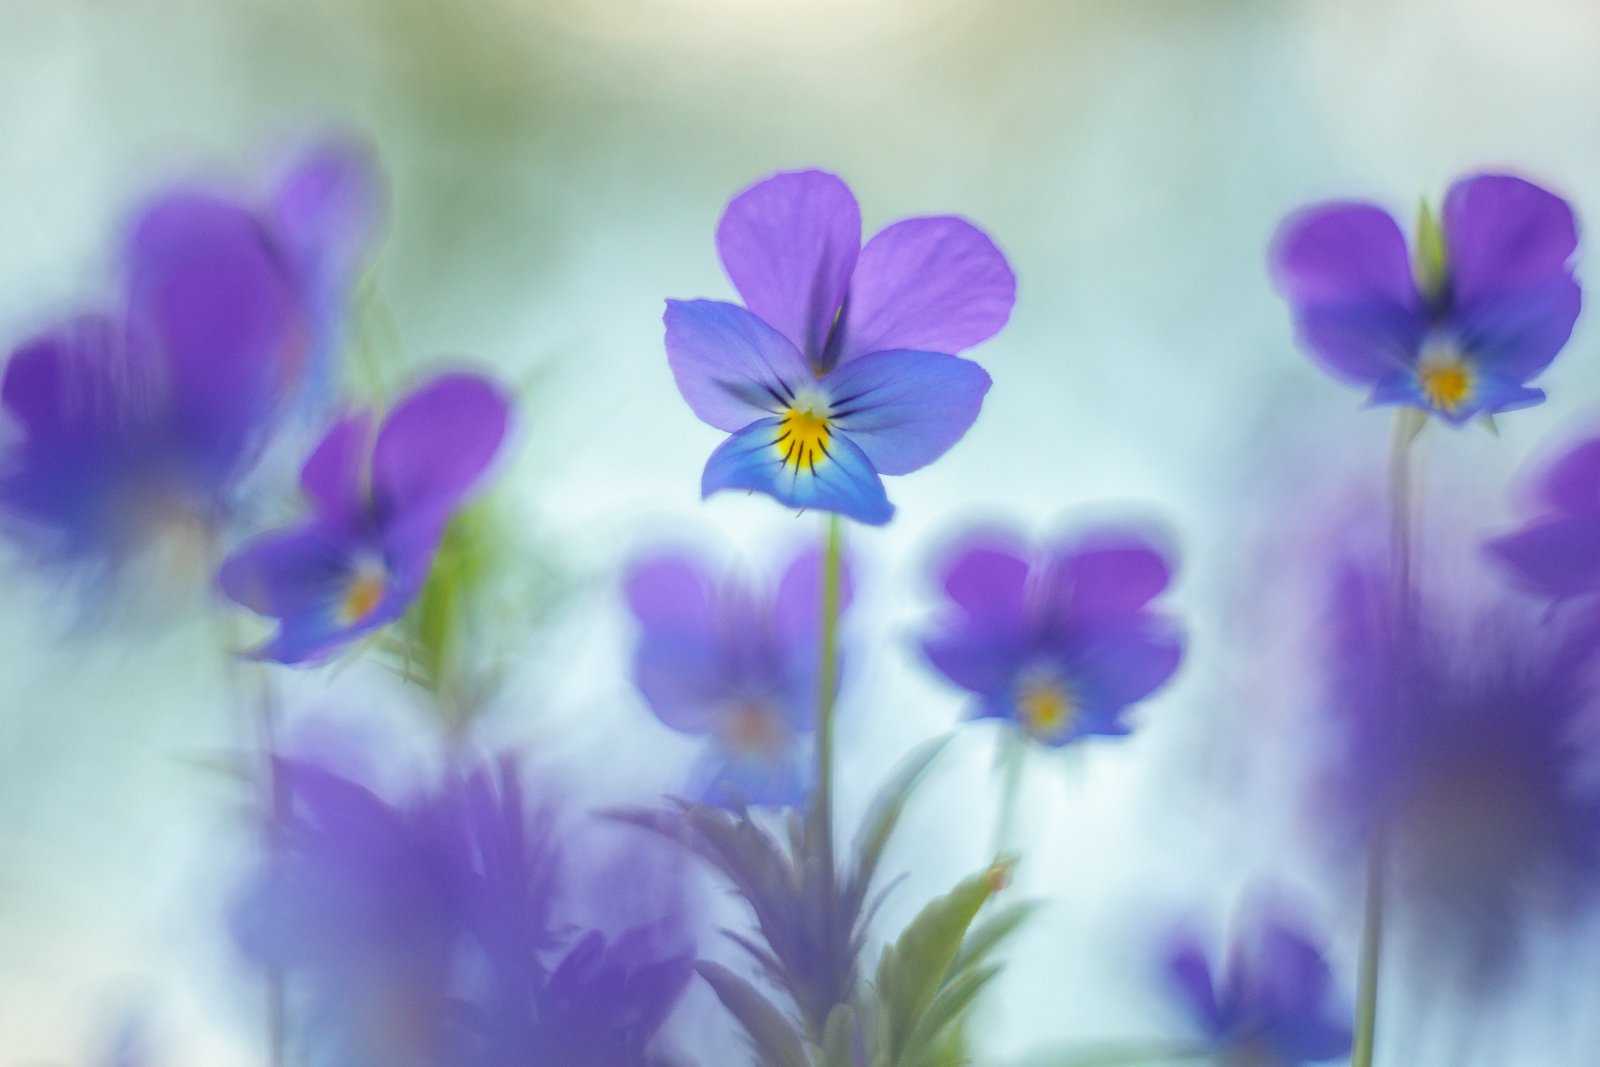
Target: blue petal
{"points": [[730, 366], [844, 481], [906, 409]]}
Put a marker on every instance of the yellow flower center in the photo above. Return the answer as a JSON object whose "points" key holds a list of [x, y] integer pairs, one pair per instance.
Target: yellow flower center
{"points": [[804, 434], [1446, 384], [1046, 709], [361, 595]]}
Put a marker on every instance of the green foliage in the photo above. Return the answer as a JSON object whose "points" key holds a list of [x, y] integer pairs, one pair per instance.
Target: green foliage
{"points": [[811, 927]]}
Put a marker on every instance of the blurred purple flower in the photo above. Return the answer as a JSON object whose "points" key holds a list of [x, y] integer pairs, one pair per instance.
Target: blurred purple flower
{"points": [[841, 367], [432, 933], [1466, 752], [379, 508], [1557, 554], [1062, 643], [1463, 343], [737, 665], [142, 420], [1273, 1002]]}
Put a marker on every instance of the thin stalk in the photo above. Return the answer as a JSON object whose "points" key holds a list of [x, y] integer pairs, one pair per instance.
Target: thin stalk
{"points": [[1013, 756], [828, 678], [1124, 1055], [1408, 423]]}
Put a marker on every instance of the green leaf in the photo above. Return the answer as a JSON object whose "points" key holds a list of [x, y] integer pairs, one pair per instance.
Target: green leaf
{"points": [[948, 1008], [777, 1042], [913, 969], [837, 1038], [884, 815], [1429, 261], [987, 935]]}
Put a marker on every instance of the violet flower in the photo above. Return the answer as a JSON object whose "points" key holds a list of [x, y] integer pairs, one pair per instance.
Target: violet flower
{"points": [[1063, 642], [379, 507], [438, 931], [1557, 554], [737, 665], [1464, 748], [841, 367], [1490, 303], [1272, 1003], [141, 420]]}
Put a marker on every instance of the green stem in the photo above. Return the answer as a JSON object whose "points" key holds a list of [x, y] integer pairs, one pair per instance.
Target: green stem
{"points": [[1408, 423], [1013, 755], [828, 677], [1124, 1055]]}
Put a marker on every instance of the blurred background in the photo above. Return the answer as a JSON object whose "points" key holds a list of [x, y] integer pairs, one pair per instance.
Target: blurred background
{"points": [[557, 169]]}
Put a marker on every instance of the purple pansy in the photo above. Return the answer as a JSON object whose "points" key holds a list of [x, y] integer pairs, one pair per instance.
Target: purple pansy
{"points": [[1272, 1003], [842, 364], [1464, 745], [1062, 642], [1557, 554], [737, 665], [1464, 332], [136, 420], [438, 931], [379, 506]]}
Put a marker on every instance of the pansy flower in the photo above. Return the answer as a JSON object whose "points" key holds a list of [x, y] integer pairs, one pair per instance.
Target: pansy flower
{"points": [[379, 507], [1457, 330], [842, 364], [125, 424], [1462, 744], [734, 664], [1557, 553], [1062, 642], [1271, 1003]]}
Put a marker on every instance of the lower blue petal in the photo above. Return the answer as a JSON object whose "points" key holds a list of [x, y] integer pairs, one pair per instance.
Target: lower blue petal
{"points": [[842, 480]]}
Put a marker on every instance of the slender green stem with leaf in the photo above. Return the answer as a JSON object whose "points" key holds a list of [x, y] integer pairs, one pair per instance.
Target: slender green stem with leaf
{"points": [[828, 686]]}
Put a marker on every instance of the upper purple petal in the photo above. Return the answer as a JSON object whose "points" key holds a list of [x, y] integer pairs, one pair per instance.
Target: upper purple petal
{"points": [[789, 244], [1557, 557], [1504, 233], [208, 288], [436, 444], [1108, 572], [927, 284], [334, 476], [1346, 273], [730, 366], [329, 209], [1572, 482], [678, 664], [906, 409], [987, 579]]}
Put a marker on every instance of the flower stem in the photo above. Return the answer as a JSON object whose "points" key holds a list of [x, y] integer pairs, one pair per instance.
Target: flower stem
{"points": [[1013, 754], [828, 681], [1408, 423]]}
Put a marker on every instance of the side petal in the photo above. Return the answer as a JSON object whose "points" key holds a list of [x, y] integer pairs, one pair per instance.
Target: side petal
{"points": [[289, 572], [682, 675], [731, 367], [333, 477], [1556, 557], [436, 444], [928, 284], [978, 660], [906, 409], [1572, 481], [1345, 271], [1503, 233], [843, 482], [209, 289], [789, 244], [1122, 664], [1518, 333]]}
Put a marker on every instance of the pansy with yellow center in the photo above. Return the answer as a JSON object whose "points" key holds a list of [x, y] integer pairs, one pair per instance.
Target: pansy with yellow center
{"points": [[379, 508], [842, 366], [736, 665], [1457, 327], [1061, 643]]}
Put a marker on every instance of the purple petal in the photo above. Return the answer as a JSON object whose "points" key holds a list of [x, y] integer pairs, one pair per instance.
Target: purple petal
{"points": [[1556, 557], [1345, 270], [329, 209], [790, 244], [980, 661], [288, 572], [730, 366], [670, 591], [798, 604], [437, 443], [1108, 573], [333, 478], [1517, 334], [1572, 482], [1190, 975], [207, 286], [988, 580], [906, 409], [842, 482], [678, 665], [781, 779], [1502, 234], [1120, 664], [927, 284]]}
